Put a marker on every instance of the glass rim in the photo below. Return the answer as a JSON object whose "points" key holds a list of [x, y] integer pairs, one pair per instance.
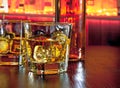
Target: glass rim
{"points": [[48, 23], [36, 23]]}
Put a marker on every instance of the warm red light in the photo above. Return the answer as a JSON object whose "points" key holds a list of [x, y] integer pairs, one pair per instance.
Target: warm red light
{"points": [[35, 10], [102, 7], [28, 6]]}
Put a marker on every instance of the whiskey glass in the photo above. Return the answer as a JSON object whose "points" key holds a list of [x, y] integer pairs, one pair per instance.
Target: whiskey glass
{"points": [[11, 42], [47, 46]]}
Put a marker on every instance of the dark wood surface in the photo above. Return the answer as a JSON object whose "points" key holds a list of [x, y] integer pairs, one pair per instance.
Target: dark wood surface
{"points": [[16, 77], [102, 67], [100, 70]]}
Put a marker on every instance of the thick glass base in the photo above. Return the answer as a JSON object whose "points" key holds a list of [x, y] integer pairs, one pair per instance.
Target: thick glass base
{"points": [[8, 59], [47, 68]]}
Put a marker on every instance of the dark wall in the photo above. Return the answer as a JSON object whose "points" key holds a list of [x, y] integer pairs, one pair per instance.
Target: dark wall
{"points": [[103, 31]]}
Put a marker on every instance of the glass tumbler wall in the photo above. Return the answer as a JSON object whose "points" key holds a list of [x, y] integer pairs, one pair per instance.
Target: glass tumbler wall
{"points": [[47, 46]]}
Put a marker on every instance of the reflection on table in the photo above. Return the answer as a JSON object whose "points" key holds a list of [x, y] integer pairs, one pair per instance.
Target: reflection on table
{"points": [[17, 77]]}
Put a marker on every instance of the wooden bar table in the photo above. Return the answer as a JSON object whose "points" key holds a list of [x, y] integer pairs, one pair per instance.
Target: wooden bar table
{"points": [[16, 77], [101, 69]]}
